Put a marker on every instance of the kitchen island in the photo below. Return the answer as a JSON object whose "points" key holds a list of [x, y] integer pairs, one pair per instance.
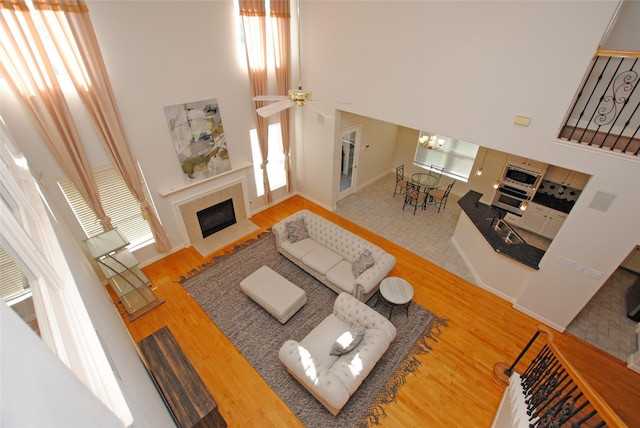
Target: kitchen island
{"points": [[499, 266], [481, 215]]}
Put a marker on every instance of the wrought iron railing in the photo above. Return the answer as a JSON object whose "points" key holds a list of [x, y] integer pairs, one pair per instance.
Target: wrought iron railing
{"points": [[553, 393], [606, 111]]}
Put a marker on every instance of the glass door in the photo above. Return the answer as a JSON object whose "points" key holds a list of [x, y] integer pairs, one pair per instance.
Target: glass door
{"points": [[349, 141]]}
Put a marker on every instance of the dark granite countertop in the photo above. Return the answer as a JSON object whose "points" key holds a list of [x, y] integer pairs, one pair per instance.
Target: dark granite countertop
{"points": [[552, 202], [478, 213]]}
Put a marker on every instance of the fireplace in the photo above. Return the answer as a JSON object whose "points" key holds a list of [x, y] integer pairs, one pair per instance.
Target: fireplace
{"points": [[228, 187], [217, 217]]}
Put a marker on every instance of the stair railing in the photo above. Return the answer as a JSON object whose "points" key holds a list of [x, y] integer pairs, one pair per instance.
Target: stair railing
{"points": [[554, 392], [605, 112]]}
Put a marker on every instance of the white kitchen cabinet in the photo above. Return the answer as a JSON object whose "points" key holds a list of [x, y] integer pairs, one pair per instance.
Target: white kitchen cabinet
{"points": [[552, 224], [533, 217], [513, 219], [577, 180], [542, 220], [566, 177], [556, 174], [531, 164]]}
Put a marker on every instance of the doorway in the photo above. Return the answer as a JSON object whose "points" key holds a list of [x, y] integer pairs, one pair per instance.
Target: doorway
{"points": [[349, 141]]}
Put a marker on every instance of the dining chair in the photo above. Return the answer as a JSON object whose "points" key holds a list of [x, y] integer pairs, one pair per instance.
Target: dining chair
{"points": [[427, 196], [401, 183], [438, 197], [412, 196]]}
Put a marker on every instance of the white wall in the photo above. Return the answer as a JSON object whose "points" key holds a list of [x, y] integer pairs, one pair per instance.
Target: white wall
{"points": [[146, 405], [405, 149], [37, 389], [625, 35], [318, 156]]}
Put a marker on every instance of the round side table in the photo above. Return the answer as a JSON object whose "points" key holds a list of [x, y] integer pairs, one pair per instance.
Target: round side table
{"points": [[397, 292]]}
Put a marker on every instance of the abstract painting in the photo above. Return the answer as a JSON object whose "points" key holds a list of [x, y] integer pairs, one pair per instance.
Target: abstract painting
{"points": [[198, 137]]}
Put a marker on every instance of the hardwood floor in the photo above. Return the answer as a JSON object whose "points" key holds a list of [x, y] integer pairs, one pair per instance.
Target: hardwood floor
{"points": [[453, 387]]}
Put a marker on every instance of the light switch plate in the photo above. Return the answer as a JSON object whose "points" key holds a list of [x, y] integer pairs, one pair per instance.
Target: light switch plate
{"points": [[568, 263], [593, 273]]}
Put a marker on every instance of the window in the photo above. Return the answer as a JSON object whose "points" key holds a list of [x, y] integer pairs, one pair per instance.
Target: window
{"points": [[51, 42], [252, 43], [275, 167], [455, 156], [118, 202]]}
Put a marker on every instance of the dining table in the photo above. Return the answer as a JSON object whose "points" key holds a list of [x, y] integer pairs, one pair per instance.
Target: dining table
{"points": [[426, 180]]}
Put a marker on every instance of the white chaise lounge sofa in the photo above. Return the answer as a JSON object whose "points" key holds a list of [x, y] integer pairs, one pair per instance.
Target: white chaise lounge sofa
{"points": [[332, 379], [340, 259]]}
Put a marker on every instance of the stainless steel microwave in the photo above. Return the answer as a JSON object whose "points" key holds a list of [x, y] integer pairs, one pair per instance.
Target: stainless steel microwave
{"points": [[520, 176]]}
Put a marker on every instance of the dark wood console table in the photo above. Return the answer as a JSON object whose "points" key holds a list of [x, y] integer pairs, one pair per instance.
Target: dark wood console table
{"points": [[184, 392]]}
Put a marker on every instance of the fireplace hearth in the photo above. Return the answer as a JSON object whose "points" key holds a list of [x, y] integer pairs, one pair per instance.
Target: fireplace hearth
{"points": [[216, 218]]}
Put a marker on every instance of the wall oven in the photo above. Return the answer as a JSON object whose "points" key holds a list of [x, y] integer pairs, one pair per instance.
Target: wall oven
{"points": [[509, 198], [517, 176]]}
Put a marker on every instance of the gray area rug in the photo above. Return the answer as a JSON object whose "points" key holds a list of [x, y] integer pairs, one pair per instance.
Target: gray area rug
{"points": [[259, 336]]}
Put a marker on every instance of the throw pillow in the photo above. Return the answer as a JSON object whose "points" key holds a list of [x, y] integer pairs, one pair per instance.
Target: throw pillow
{"points": [[348, 341], [297, 230], [362, 263]]}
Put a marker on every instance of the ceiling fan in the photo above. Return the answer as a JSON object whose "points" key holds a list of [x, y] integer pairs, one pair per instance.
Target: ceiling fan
{"points": [[296, 97]]}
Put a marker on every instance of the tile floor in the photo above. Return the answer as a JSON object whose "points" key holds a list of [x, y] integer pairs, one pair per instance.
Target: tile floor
{"points": [[427, 233], [603, 321]]}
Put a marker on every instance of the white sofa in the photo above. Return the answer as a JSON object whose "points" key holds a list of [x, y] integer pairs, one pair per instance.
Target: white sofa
{"points": [[329, 253], [333, 379]]}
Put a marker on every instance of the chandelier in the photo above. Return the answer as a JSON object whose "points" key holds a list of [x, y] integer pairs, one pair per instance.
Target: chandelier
{"points": [[431, 141]]}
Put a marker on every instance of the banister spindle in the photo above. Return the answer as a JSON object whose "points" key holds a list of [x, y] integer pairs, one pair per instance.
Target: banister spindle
{"points": [[553, 394], [509, 371]]}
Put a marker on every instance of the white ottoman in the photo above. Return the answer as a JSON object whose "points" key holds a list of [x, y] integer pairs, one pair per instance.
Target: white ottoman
{"points": [[275, 294]]}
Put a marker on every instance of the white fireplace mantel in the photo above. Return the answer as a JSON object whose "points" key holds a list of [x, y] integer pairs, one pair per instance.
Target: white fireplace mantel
{"points": [[205, 182]]}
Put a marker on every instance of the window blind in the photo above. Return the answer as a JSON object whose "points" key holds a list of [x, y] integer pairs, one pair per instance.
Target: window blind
{"points": [[13, 284], [118, 202], [455, 156]]}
